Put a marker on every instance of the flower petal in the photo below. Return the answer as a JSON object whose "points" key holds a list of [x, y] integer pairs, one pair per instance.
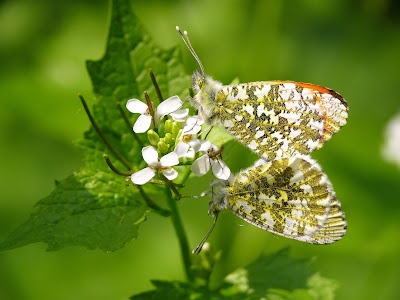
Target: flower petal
{"points": [[170, 159], [142, 124], [190, 154], [180, 115], [201, 165], [181, 149], [194, 120], [207, 145], [195, 144], [170, 173], [143, 176], [191, 129], [136, 106], [168, 106], [220, 169], [150, 155]]}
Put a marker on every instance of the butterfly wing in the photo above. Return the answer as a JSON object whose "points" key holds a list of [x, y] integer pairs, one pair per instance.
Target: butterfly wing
{"points": [[281, 118], [291, 197]]}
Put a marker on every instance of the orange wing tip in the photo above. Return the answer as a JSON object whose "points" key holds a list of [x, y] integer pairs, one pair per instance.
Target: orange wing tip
{"points": [[318, 88]]}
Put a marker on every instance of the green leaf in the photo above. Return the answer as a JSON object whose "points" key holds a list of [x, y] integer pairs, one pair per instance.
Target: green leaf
{"points": [[181, 290], [277, 276], [83, 210], [94, 207], [272, 277]]}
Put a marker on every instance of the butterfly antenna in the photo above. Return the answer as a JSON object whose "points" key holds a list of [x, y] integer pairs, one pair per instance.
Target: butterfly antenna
{"points": [[200, 196], [204, 240], [190, 47]]}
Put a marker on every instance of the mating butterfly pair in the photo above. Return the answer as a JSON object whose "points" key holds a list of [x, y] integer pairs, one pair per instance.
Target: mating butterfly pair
{"points": [[286, 192]]}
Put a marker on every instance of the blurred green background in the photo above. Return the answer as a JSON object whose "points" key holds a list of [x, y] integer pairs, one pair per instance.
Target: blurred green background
{"points": [[350, 46]]}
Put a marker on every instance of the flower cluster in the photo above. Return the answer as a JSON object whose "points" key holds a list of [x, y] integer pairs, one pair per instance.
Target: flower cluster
{"points": [[180, 143]]}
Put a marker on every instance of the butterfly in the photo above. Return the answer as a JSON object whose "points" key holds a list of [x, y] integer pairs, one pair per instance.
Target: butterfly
{"points": [[291, 197], [274, 119]]}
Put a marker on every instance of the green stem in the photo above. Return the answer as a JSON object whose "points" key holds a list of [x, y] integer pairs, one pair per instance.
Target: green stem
{"points": [[158, 91], [157, 209], [151, 108], [149, 202], [186, 176], [121, 158], [114, 169], [164, 183], [125, 117], [171, 186], [180, 233]]}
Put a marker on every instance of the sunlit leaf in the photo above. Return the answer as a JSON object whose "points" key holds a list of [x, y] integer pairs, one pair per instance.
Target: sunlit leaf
{"points": [[94, 207], [275, 277]]}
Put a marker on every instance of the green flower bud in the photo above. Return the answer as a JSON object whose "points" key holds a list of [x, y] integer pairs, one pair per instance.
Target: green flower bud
{"points": [[162, 146], [160, 129], [168, 126], [177, 137], [169, 139], [153, 137], [175, 128]]}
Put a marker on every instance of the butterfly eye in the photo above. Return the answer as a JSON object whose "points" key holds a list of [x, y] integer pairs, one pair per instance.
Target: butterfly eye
{"points": [[200, 82]]}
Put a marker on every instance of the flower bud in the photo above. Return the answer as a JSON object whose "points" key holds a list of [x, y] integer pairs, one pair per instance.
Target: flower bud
{"points": [[177, 138], [176, 126], [153, 137], [169, 139], [160, 130], [162, 146], [168, 126]]}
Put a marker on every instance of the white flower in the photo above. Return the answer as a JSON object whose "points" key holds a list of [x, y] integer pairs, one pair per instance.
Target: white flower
{"points": [[183, 149], [180, 115], [188, 141], [143, 123], [193, 125], [202, 165], [150, 155]]}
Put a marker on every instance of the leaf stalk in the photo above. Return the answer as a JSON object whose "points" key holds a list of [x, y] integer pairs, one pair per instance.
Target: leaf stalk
{"points": [[180, 233], [114, 150], [158, 91]]}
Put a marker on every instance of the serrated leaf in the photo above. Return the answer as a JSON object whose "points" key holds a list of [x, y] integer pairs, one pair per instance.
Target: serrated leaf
{"points": [[94, 208], [272, 277], [83, 210], [277, 276], [177, 290]]}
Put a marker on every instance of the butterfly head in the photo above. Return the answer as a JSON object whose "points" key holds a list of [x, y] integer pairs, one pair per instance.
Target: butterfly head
{"points": [[205, 87], [205, 84]]}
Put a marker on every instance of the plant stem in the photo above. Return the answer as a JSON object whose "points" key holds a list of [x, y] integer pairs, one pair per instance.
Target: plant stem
{"points": [[180, 233], [171, 186], [121, 158], [125, 117], [150, 106], [153, 79], [114, 169], [157, 209], [186, 176]]}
